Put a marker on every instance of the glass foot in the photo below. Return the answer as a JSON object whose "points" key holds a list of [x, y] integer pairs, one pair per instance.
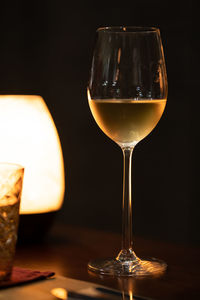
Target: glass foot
{"points": [[138, 267]]}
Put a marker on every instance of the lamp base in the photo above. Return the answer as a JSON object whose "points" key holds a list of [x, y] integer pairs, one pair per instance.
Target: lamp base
{"points": [[34, 227]]}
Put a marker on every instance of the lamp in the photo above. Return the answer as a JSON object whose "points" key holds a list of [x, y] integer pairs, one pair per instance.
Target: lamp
{"points": [[28, 136]]}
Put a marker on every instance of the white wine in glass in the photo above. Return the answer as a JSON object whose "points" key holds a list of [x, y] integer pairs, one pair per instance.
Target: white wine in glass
{"points": [[127, 94], [127, 121]]}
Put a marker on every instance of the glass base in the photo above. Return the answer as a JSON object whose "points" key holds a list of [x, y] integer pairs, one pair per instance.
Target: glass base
{"points": [[138, 267]]}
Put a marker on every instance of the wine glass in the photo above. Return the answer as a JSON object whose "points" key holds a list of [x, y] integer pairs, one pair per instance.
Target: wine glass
{"points": [[127, 94]]}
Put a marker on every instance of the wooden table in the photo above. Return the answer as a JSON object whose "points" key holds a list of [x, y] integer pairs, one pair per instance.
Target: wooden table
{"points": [[69, 249]]}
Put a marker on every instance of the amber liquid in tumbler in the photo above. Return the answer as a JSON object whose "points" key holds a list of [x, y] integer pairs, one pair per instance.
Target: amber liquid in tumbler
{"points": [[127, 121]]}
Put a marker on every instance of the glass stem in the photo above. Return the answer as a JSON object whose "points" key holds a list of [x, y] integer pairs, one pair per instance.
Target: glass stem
{"points": [[127, 241], [127, 254]]}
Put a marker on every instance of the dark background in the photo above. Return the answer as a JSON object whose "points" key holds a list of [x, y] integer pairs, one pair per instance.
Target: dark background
{"points": [[46, 49]]}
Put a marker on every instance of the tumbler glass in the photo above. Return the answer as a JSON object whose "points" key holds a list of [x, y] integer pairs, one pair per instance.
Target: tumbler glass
{"points": [[11, 180]]}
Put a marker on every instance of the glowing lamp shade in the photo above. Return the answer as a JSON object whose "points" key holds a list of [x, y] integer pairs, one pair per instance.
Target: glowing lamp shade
{"points": [[28, 136]]}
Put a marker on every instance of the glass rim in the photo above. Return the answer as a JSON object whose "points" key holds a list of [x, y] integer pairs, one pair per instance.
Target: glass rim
{"points": [[14, 165], [128, 29]]}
